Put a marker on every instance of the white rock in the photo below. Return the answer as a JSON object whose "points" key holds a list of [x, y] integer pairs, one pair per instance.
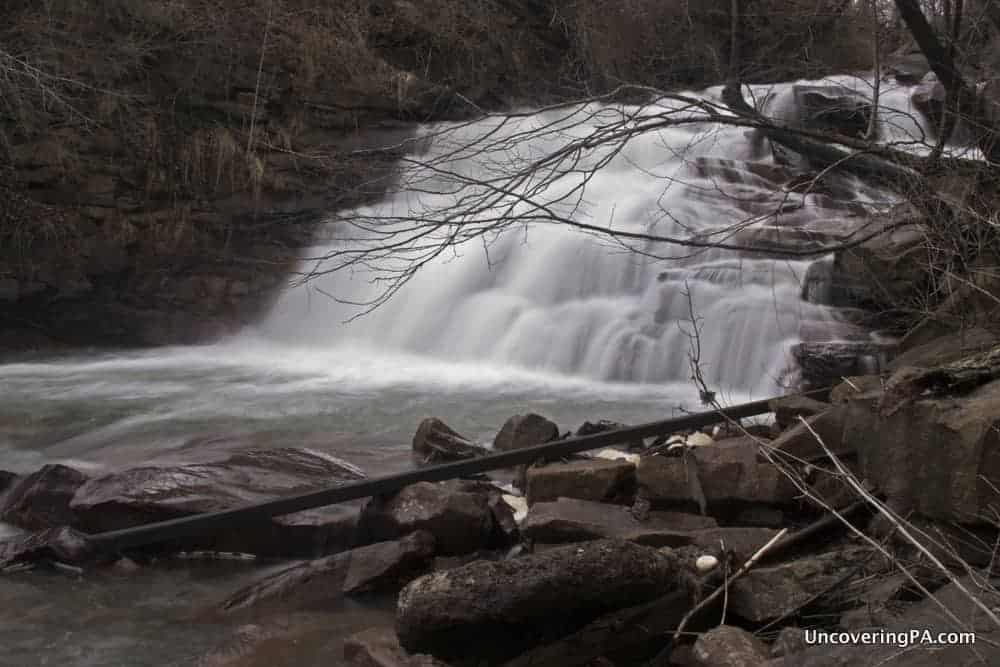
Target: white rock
{"points": [[615, 455], [518, 504], [706, 563], [699, 439]]}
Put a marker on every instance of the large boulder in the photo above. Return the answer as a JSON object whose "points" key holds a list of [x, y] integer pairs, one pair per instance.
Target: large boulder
{"points": [[938, 456], [798, 442], [42, 499], [153, 493], [727, 473], [458, 514], [729, 646], [525, 431], [832, 108], [883, 273], [594, 479], [492, 611], [573, 520]]}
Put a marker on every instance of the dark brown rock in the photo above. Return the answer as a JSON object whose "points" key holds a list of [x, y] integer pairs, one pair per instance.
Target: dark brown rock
{"points": [[790, 640], [800, 444], [728, 646], [379, 647], [7, 481], [728, 473], [604, 425], [938, 456], [493, 611], [387, 565], [435, 441], [42, 499], [594, 479], [460, 520], [766, 593], [788, 408], [573, 520], [155, 493], [525, 431]]}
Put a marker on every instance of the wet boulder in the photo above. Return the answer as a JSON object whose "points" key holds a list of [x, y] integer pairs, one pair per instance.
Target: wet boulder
{"points": [[572, 520], [458, 514], [379, 647], [42, 499], [436, 442], [522, 431], [593, 479], [728, 646], [832, 108], [154, 493], [62, 544], [493, 611]]}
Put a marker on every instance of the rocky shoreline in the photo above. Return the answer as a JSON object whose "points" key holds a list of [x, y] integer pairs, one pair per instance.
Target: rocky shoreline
{"points": [[599, 559]]}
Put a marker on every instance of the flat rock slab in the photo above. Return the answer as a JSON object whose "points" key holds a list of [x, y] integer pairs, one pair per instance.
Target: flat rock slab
{"points": [[572, 520], [42, 499], [458, 514], [594, 479], [493, 611], [379, 647], [156, 493], [743, 542], [728, 473], [766, 593]]}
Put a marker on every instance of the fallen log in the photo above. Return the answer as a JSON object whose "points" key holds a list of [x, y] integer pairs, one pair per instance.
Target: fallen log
{"points": [[139, 536]]}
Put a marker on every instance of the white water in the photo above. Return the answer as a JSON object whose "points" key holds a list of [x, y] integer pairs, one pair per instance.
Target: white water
{"points": [[549, 298]]}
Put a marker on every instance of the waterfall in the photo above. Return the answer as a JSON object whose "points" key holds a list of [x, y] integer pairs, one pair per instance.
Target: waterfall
{"points": [[551, 298]]}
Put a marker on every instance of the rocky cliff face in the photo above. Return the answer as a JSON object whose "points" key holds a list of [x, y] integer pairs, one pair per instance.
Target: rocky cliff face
{"points": [[162, 163]]}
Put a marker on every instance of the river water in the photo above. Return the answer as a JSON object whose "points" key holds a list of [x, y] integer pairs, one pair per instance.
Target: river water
{"points": [[542, 319]]}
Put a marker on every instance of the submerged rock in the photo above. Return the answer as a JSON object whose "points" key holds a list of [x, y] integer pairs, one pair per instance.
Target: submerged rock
{"points": [[62, 544], [380, 567], [457, 514], [379, 647], [155, 493], [493, 611], [42, 499], [525, 431]]}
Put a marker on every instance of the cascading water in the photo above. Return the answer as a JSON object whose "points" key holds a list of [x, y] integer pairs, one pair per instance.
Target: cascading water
{"points": [[549, 297]]}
